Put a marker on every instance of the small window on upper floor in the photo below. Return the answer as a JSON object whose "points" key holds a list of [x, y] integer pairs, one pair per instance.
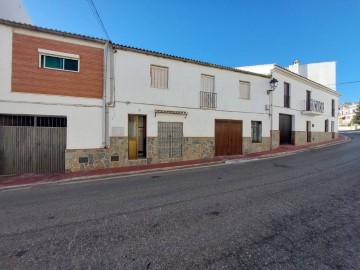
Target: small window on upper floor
{"points": [[286, 95], [207, 83], [58, 60], [244, 90], [159, 77]]}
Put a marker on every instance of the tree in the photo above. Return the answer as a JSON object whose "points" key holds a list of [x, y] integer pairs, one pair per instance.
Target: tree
{"points": [[356, 118]]}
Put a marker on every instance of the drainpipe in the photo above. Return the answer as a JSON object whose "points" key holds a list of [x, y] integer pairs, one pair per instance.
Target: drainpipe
{"points": [[112, 51], [271, 117], [104, 114], [111, 104]]}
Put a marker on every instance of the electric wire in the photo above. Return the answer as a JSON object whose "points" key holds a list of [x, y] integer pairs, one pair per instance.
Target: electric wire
{"points": [[345, 83], [98, 18]]}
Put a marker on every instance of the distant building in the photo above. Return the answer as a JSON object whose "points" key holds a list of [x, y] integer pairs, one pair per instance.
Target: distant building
{"points": [[347, 111], [14, 10]]}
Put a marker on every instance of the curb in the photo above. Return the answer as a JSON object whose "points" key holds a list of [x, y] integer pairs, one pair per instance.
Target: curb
{"points": [[173, 168]]}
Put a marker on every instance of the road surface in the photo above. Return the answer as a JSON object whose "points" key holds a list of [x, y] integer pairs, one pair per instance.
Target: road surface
{"points": [[300, 211]]}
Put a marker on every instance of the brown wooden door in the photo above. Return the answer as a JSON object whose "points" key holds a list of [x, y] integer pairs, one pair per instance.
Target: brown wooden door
{"points": [[228, 137], [285, 128], [308, 131]]}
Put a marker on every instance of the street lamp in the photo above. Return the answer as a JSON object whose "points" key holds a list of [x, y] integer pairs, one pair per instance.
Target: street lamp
{"points": [[273, 84]]}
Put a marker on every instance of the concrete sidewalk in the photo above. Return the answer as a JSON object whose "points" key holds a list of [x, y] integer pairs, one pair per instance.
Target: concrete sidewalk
{"points": [[27, 179]]}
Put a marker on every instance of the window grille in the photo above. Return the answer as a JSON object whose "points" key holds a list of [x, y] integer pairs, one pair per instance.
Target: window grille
{"points": [[170, 136], [256, 131]]}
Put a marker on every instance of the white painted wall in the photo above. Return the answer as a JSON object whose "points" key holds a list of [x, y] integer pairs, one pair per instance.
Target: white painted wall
{"points": [[83, 114], [298, 89], [14, 10], [133, 86], [323, 73], [261, 69]]}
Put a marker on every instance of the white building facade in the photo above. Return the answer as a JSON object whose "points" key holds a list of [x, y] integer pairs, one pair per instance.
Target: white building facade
{"points": [[125, 106]]}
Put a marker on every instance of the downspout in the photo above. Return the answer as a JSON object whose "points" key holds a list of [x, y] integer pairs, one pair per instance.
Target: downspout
{"points": [[104, 109], [111, 104], [271, 113]]}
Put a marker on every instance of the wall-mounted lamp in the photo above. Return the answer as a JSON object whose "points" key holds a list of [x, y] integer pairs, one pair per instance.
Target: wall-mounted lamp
{"points": [[273, 84]]}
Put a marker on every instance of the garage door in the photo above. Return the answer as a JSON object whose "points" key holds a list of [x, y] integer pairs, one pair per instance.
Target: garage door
{"points": [[228, 137], [171, 139], [32, 144]]}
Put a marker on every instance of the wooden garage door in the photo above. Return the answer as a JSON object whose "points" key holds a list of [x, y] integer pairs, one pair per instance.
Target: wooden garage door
{"points": [[285, 128], [228, 137], [30, 144]]}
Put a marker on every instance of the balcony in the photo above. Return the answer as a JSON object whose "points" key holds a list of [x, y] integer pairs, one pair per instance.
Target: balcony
{"points": [[313, 107], [208, 100]]}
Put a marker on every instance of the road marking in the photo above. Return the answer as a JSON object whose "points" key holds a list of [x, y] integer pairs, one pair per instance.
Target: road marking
{"points": [[14, 189], [237, 161]]}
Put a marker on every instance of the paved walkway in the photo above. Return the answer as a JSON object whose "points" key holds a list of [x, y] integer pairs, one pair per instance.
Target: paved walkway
{"points": [[39, 178]]}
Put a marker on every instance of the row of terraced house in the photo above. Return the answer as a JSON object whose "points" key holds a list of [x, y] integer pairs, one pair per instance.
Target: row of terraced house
{"points": [[70, 102]]}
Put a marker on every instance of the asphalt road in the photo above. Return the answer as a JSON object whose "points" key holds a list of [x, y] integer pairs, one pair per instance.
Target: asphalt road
{"points": [[300, 211]]}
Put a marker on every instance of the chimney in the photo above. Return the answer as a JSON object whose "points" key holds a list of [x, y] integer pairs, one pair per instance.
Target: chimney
{"points": [[295, 67]]}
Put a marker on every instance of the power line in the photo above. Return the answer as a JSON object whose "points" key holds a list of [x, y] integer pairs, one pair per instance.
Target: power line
{"points": [[345, 83], [97, 16]]}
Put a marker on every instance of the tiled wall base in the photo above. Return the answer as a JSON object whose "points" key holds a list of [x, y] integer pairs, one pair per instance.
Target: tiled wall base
{"points": [[250, 147], [316, 137], [194, 148], [275, 139]]}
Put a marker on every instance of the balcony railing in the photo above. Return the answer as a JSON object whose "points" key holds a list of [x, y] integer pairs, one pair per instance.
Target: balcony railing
{"points": [[313, 106], [208, 99]]}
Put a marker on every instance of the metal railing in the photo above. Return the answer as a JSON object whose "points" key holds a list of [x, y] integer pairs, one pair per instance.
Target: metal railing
{"points": [[208, 99], [314, 106]]}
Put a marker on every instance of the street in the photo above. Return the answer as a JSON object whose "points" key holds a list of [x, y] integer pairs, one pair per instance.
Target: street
{"points": [[300, 211]]}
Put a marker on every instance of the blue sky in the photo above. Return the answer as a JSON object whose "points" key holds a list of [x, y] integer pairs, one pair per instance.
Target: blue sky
{"points": [[226, 32]]}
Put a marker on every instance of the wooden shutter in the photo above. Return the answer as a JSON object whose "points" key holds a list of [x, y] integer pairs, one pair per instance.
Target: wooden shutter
{"points": [[244, 90], [159, 77]]}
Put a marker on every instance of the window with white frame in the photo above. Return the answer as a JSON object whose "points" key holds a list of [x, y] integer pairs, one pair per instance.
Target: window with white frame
{"points": [[159, 77], [256, 131], [58, 60], [244, 90], [207, 83]]}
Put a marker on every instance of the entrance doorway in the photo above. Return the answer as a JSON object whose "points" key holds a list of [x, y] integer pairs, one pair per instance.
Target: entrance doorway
{"points": [[285, 128], [228, 137], [308, 131], [137, 136]]}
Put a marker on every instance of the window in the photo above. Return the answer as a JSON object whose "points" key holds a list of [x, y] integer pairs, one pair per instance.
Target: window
{"points": [[57, 60], [207, 83], [326, 125], [308, 100], [332, 107], [244, 90], [159, 77], [256, 131], [286, 95]]}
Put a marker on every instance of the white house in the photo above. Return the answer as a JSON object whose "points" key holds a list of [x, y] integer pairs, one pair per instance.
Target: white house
{"points": [[302, 110], [100, 105], [347, 111]]}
